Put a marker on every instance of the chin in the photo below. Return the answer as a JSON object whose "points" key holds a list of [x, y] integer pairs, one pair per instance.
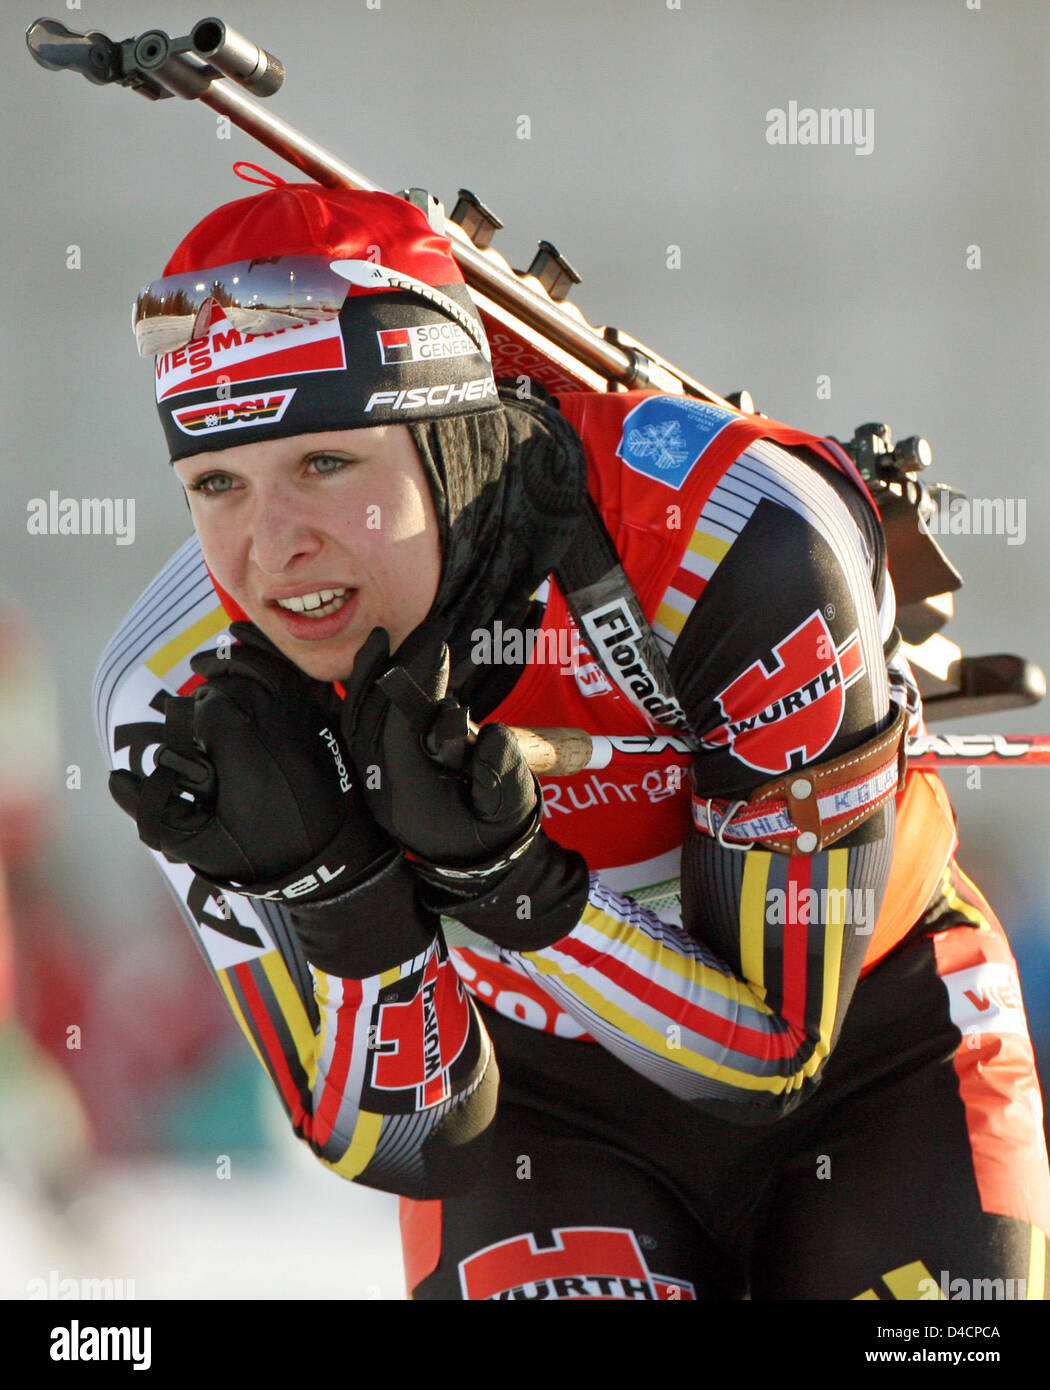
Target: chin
{"points": [[325, 666], [322, 664]]}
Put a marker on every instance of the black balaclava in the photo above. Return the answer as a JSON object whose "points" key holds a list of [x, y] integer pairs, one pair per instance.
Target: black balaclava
{"points": [[509, 488]]}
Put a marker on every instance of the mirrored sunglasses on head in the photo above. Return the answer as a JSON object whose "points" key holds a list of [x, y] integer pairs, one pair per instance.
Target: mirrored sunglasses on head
{"points": [[269, 294]]}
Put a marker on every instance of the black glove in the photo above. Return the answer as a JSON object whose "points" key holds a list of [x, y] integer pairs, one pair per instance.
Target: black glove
{"points": [[469, 812], [272, 810], [455, 804]]}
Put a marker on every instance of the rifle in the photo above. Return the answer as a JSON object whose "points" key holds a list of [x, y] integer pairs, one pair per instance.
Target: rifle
{"points": [[535, 332]]}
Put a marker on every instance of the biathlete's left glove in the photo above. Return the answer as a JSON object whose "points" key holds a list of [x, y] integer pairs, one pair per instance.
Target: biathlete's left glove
{"points": [[467, 810]]}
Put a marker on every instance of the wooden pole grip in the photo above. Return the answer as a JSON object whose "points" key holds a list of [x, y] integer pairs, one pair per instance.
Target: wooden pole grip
{"points": [[554, 752]]}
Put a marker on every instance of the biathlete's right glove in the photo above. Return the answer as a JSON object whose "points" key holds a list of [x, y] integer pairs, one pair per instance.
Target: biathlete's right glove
{"points": [[253, 788], [468, 812]]}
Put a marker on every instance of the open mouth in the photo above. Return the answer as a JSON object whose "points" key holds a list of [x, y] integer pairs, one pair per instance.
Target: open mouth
{"points": [[315, 605]]}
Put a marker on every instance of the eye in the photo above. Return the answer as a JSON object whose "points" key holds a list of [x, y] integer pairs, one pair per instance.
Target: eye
{"points": [[328, 463], [212, 484]]}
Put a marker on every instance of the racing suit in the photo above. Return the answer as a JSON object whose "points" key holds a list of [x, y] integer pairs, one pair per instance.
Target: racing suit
{"points": [[748, 1085]]}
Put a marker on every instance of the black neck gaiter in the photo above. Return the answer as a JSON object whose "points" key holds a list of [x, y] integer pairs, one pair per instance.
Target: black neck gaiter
{"points": [[509, 487]]}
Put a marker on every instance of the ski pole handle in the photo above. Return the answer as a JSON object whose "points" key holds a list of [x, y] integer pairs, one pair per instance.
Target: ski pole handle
{"points": [[564, 752], [555, 752]]}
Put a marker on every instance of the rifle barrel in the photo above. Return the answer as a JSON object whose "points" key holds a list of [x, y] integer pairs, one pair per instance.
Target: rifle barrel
{"points": [[479, 271]]}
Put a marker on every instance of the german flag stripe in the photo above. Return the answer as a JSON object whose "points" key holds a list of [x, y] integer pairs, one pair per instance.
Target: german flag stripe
{"points": [[180, 647], [655, 1041], [777, 869], [837, 865], [679, 601], [362, 1146], [911, 1282], [709, 547], [261, 968], [728, 1033], [795, 949], [753, 891], [628, 937], [669, 620], [685, 589], [702, 557], [277, 1062], [809, 1007], [851, 659], [247, 411], [235, 1008], [293, 1011], [326, 1113], [1035, 1288], [368, 1126], [325, 1010], [189, 686]]}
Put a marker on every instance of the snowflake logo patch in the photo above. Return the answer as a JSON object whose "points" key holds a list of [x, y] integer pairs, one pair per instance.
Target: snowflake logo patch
{"points": [[664, 436], [663, 443]]}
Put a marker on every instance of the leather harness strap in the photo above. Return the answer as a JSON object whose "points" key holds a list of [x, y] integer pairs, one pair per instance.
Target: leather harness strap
{"points": [[806, 811]]}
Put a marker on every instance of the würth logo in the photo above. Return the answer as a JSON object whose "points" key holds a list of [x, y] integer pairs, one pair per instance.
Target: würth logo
{"points": [[786, 713], [589, 1262], [410, 1052]]}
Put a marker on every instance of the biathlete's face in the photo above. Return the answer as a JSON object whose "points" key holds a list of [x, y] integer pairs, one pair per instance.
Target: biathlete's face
{"points": [[320, 538]]}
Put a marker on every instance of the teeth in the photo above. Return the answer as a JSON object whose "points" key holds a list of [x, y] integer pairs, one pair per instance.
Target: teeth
{"points": [[319, 604]]}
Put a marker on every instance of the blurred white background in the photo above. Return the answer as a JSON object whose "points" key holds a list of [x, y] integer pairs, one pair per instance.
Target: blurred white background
{"points": [[648, 130]]}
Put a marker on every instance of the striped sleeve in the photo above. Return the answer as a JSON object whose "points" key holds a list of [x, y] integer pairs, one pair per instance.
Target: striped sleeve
{"points": [[668, 1006], [367, 1070], [774, 639]]}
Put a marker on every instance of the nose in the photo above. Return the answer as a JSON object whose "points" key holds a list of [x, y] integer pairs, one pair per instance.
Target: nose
{"points": [[282, 532]]}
